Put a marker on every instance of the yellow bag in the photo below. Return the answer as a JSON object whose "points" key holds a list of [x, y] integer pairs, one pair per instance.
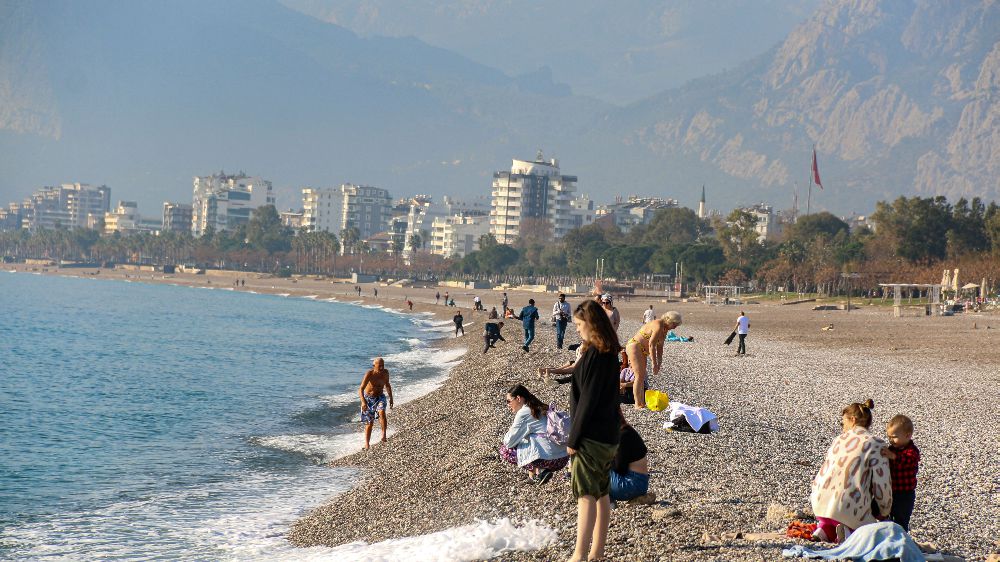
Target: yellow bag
{"points": [[657, 401]]}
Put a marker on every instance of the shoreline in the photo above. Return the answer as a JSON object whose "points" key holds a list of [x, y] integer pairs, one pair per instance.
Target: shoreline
{"points": [[776, 406]]}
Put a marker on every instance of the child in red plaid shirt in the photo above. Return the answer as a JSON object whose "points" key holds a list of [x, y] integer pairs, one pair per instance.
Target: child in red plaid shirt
{"points": [[904, 458]]}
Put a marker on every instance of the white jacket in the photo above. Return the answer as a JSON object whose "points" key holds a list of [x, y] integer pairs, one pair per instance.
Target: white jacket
{"points": [[527, 435], [853, 475]]}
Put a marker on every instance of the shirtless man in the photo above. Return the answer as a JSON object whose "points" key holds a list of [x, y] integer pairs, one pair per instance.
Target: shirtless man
{"points": [[372, 393]]}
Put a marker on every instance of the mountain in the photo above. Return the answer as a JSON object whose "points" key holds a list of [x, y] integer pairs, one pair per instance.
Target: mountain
{"points": [[142, 95], [616, 51], [899, 97]]}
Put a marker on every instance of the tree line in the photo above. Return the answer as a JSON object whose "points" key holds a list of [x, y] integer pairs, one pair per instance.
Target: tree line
{"points": [[912, 239]]}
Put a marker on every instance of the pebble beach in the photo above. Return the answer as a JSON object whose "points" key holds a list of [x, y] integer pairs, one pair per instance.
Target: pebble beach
{"points": [[778, 410]]}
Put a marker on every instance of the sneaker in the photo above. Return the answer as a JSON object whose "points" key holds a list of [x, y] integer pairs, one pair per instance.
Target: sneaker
{"points": [[525, 348], [543, 476]]}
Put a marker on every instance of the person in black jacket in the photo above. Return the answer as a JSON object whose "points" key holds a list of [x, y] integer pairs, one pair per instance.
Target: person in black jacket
{"points": [[491, 334], [593, 436]]}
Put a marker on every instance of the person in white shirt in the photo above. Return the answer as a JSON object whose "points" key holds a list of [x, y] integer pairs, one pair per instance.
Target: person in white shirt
{"points": [[648, 315], [561, 314], [742, 329]]}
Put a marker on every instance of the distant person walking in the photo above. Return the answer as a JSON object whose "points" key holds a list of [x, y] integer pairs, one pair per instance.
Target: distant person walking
{"points": [[528, 315], [458, 319], [648, 315], [373, 403], [375, 292], [437, 297], [504, 302], [742, 329], [561, 314]]}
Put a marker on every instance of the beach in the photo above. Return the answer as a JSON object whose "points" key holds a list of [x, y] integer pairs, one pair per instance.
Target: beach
{"points": [[778, 409]]}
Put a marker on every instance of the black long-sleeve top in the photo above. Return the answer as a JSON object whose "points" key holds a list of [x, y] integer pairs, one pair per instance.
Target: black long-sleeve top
{"points": [[630, 449], [594, 399]]}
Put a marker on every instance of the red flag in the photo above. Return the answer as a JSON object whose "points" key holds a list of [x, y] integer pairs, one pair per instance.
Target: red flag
{"points": [[815, 171]]}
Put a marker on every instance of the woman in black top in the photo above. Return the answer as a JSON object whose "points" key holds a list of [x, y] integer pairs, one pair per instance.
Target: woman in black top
{"points": [[630, 470], [593, 434]]}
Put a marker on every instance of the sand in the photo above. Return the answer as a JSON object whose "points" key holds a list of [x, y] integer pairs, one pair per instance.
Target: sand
{"points": [[778, 409]]}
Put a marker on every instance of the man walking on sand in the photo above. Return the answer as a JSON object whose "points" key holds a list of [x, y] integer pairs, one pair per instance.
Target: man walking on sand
{"points": [[648, 315], [372, 392], [528, 315], [561, 315], [458, 319], [742, 329]]}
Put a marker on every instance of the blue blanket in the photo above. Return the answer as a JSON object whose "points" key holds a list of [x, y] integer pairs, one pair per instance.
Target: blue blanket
{"points": [[877, 541]]}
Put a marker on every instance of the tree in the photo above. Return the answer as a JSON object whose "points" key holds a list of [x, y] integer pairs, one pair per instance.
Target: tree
{"points": [[917, 226], [739, 238], [416, 242], [265, 232], [673, 226], [810, 226]]}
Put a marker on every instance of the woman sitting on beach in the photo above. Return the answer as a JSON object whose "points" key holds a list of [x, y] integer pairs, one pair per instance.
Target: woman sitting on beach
{"points": [[593, 435], [526, 443], [626, 379], [630, 471], [646, 343], [853, 475]]}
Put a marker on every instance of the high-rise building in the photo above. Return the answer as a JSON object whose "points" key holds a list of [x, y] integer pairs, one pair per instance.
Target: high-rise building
{"points": [[582, 211], [363, 207], [531, 190], [223, 202], [68, 206], [176, 217]]}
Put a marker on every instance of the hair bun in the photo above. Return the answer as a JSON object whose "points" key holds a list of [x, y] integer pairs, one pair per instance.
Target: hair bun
{"points": [[870, 404]]}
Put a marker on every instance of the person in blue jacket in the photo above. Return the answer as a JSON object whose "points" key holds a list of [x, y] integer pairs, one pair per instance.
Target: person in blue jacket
{"points": [[528, 315]]}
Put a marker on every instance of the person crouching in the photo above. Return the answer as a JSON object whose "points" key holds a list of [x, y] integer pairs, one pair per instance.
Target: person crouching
{"points": [[526, 443]]}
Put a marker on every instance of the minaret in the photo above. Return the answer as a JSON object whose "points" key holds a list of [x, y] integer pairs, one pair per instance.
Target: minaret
{"points": [[701, 204]]}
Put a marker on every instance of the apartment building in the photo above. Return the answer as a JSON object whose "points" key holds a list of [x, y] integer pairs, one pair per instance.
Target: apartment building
{"points": [[177, 217], [223, 202], [70, 205], [458, 235], [531, 189]]}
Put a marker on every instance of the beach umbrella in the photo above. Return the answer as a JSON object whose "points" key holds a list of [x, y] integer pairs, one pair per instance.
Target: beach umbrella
{"points": [[982, 289], [954, 281], [946, 280]]}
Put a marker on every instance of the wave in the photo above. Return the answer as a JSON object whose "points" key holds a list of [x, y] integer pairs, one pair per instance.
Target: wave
{"points": [[320, 448], [480, 541]]}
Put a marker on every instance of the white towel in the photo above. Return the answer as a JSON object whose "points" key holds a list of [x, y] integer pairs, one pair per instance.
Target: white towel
{"points": [[696, 417]]}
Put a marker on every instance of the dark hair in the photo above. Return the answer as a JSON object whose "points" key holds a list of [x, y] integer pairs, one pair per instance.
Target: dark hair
{"points": [[538, 408], [606, 339], [531, 301], [901, 422], [861, 412]]}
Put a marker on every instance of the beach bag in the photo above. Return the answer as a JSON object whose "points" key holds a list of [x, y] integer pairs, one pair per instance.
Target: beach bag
{"points": [[657, 401], [557, 425], [731, 337]]}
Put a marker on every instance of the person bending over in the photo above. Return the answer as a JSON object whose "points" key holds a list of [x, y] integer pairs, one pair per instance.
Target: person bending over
{"points": [[491, 334], [526, 443], [647, 344]]}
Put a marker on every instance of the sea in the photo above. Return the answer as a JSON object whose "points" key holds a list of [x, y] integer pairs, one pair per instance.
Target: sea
{"points": [[157, 422]]}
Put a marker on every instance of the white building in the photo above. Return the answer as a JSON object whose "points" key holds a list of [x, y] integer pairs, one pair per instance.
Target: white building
{"points": [[424, 212], [223, 202], [530, 190], [363, 207], [458, 235], [768, 227], [124, 218], [582, 210], [71, 205], [626, 214]]}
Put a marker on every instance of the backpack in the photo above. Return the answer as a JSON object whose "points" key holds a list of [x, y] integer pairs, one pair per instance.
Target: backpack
{"points": [[557, 425]]}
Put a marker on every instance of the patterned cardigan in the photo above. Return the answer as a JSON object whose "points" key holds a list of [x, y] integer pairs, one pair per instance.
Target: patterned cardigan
{"points": [[853, 475]]}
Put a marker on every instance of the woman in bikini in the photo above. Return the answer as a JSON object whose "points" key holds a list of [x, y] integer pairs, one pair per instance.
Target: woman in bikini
{"points": [[648, 341]]}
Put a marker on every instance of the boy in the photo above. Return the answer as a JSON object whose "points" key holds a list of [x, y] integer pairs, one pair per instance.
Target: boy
{"points": [[903, 458]]}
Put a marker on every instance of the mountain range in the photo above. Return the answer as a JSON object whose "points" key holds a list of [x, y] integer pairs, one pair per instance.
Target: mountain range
{"points": [[898, 97]]}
